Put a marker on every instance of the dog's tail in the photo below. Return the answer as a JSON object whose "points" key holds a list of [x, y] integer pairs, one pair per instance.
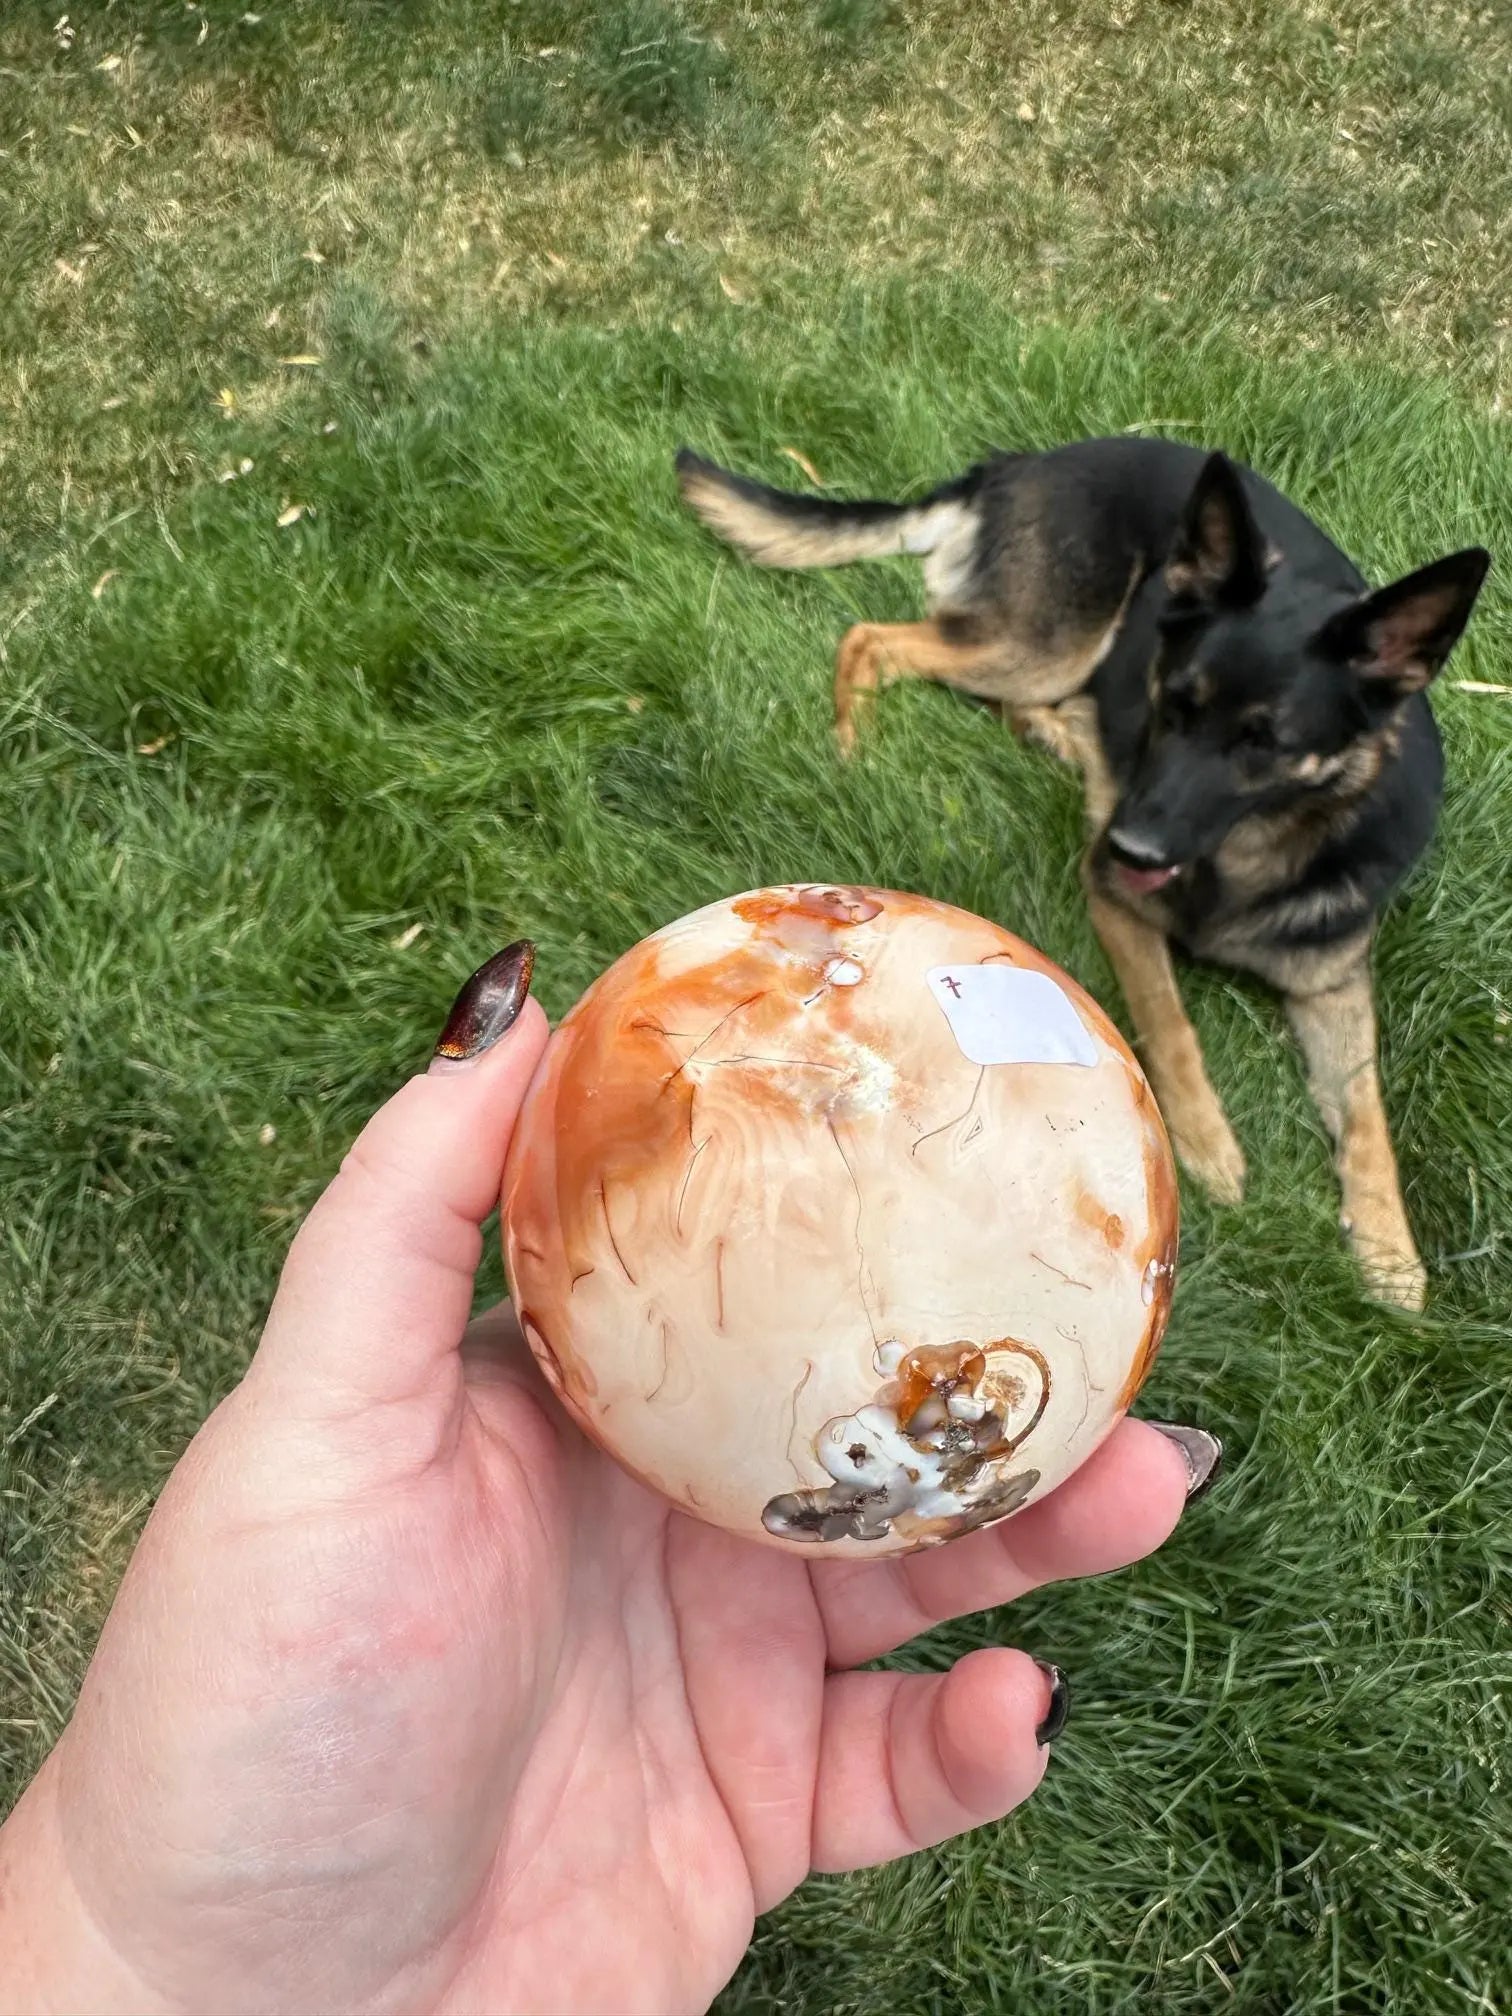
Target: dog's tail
{"points": [[778, 528]]}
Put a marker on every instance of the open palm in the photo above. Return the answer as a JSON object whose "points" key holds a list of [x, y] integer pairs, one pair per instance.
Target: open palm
{"points": [[412, 1700]]}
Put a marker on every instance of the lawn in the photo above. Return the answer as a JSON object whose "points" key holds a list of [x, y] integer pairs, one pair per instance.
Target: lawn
{"points": [[349, 627]]}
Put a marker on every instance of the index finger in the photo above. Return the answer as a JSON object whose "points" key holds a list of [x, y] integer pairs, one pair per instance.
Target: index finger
{"points": [[378, 1285]]}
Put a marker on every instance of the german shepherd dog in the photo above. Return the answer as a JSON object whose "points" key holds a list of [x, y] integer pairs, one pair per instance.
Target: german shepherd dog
{"points": [[1260, 764]]}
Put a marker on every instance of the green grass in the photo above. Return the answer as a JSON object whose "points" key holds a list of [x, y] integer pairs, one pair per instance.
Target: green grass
{"points": [[493, 682]]}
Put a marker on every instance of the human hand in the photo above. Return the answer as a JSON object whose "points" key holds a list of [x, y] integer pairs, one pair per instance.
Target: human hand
{"points": [[411, 1700]]}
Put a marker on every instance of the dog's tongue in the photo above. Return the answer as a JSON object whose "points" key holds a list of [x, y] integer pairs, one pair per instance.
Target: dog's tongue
{"points": [[1143, 880]]}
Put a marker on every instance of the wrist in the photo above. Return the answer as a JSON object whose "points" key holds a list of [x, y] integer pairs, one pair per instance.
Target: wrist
{"points": [[55, 1960]]}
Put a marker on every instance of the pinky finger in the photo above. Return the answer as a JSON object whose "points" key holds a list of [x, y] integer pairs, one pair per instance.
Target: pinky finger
{"points": [[908, 1759]]}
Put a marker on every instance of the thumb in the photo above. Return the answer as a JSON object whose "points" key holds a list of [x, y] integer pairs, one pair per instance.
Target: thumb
{"points": [[378, 1285]]}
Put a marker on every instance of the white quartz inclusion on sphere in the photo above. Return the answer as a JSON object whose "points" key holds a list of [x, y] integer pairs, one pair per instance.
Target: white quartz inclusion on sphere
{"points": [[842, 1218]]}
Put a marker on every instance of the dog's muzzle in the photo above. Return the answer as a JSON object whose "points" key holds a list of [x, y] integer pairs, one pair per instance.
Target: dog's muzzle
{"points": [[1139, 862]]}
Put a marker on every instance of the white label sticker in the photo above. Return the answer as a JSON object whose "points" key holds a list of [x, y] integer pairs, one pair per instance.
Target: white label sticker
{"points": [[1003, 1015]]}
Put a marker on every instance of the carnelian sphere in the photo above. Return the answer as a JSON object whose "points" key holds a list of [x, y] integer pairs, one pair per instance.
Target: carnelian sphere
{"points": [[841, 1218]]}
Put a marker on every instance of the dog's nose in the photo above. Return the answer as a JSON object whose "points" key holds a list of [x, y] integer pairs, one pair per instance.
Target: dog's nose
{"points": [[1142, 864], [1135, 849]]}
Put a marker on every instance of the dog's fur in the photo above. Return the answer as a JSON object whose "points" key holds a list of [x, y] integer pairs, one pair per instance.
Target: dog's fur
{"points": [[1260, 764]]}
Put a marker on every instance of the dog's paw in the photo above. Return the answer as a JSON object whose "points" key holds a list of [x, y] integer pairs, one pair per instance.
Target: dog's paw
{"points": [[1209, 1153], [1392, 1271], [1043, 727], [1406, 1288], [845, 737]]}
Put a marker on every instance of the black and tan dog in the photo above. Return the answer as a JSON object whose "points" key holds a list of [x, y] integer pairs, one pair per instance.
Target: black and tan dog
{"points": [[1260, 763]]}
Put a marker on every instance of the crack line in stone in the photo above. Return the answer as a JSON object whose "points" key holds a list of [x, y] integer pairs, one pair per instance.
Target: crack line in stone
{"points": [[860, 1213], [946, 1125], [666, 1359], [709, 1038], [749, 1057], [671, 1037], [608, 1227], [808, 1373], [1070, 1279], [698, 1149], [1088, 1388]]}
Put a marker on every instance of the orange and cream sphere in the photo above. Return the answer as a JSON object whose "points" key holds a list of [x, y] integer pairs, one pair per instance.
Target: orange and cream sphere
{"points": [[841, 1218]]}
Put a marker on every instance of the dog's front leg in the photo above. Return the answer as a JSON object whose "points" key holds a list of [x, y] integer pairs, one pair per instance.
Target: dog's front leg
{"points": [[1337, 1031], [1194, 1117]]}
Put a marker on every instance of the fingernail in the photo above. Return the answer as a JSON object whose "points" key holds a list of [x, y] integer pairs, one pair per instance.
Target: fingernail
{"points": [[488, 1005], [1203, 1453], [1060, 1704]]}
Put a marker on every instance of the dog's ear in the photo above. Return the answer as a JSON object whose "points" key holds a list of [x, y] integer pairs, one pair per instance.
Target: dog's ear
{"points": [[1397, 638], [1218, 555]]}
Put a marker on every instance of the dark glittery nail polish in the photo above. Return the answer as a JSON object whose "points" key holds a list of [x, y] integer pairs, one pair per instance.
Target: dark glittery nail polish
{"points": [[1060, 1704], [488, 1005], [1203, 1452]]}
